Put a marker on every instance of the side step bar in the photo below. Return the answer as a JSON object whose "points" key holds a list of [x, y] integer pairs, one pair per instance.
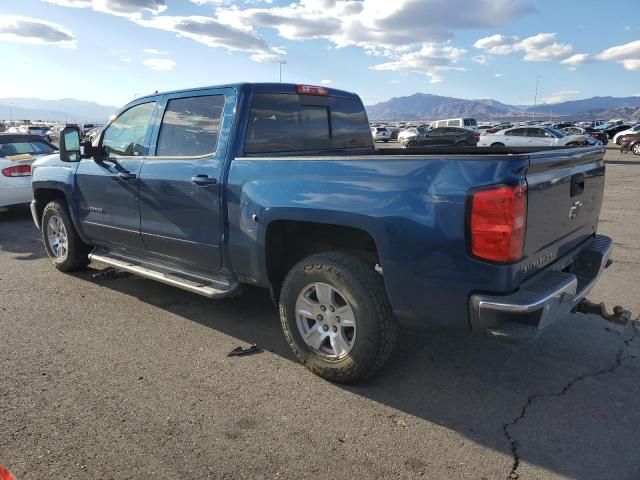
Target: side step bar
{"points": [[210, 290]]}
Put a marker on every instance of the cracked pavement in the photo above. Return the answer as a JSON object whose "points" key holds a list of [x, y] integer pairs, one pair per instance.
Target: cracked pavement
{"points": [[120, 377]]}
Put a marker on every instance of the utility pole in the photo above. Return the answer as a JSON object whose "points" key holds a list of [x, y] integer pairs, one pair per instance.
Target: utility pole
{"points": [[280, 63], [535, 98]]}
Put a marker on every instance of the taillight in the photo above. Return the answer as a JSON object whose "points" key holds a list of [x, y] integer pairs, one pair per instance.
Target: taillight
{"points": [[17, 171], [498, 222], [311, 90]]}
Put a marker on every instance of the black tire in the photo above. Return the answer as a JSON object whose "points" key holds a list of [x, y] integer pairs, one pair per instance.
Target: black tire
{"points": [[77, 252], [461, 144], [363, 288], [619, 141], [386, 141], [573, 144], [412, 145], [497, 144]]}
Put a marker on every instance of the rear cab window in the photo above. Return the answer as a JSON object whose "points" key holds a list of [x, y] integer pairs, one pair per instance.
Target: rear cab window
{"points": [[285, 122], [21, 148]]}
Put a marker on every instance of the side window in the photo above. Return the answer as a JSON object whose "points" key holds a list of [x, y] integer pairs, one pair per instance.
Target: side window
{"points": [[536, 132], [453, 123], [125, 136], [516, 132], [190, 126]]}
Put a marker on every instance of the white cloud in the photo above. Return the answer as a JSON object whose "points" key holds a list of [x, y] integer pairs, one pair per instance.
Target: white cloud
{"points": [[559, 97], [154, 51], [160, 64], [627, 54], [14, 28], [481, 59], [542, 47], [498, 75], [326, 82], [577, 59], [208, 31], [374, 24], [126, 8], [430, 60], [266, 58]]}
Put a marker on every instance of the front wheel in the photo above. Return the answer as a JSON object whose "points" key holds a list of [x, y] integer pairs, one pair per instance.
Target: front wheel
{"points": [[336, 316], [61, 241], [412, 144], [636, 149], [619, 141], [497, 144]]}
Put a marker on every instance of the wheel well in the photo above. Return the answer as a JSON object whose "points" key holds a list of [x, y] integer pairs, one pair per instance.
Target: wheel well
{"points": [[43, 196], [288, 242]]}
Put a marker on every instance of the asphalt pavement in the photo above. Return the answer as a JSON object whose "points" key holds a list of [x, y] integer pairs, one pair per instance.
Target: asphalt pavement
{"points": [[120, 377]]}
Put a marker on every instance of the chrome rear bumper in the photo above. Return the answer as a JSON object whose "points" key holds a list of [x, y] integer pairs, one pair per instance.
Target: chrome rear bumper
{"points": [[544, 299]]}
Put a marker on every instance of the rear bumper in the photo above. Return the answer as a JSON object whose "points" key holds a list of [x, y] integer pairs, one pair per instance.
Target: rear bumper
{"points": [[545, 298]]}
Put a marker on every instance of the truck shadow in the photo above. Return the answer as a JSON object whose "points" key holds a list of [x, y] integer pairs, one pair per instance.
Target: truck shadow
{"points": [[18, 235], [470, 385]]}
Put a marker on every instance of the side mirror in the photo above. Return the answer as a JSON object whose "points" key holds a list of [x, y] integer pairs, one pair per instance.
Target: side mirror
{"points": [[70, 145]]}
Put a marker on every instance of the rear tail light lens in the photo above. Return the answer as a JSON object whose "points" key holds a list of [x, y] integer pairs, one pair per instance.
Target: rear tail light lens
{"points": [[17, 171], [498, 222], [311, 90]]}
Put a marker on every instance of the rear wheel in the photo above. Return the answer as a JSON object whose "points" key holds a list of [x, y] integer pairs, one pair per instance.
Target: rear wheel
{"points": [[497, 144], [619, 141], [61, 241], [336, 316], [636, 149], [461, 144], [412, 144]]}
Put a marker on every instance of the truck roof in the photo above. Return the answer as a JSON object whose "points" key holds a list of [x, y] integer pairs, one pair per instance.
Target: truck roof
{"points": [[255, 87]]}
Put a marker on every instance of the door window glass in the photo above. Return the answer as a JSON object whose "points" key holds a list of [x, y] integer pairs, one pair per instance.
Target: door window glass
{"points": [[516, 132], [190, 126], [126, 135]]}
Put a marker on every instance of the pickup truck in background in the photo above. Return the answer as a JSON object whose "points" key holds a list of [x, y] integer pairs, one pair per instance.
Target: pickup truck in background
{"points": [[280, 186]]}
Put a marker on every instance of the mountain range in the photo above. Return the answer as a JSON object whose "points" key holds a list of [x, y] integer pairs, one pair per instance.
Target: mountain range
{"points": [[422, 106], [419, 106], [64, 110]]}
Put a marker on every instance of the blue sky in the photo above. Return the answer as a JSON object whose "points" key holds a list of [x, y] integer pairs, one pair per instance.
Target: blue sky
{"points": [[100, 50]]}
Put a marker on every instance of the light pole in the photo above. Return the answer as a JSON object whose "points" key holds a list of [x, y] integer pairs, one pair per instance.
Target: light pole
{"points": [[11, 113], [280, 63], [535, 98]]}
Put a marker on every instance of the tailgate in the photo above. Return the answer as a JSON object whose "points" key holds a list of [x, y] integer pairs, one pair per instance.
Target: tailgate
{"points": [[565, 189]]}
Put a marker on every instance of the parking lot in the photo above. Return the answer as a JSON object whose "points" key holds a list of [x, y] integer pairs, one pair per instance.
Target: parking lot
{"points": [[120, 377]]}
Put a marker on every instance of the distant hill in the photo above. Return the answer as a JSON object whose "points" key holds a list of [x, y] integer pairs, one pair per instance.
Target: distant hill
{"points": [[422, 106], [66, 109]]}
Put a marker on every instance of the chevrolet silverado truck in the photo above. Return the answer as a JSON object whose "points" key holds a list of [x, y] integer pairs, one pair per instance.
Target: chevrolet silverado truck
{"points": [[280, 186]]}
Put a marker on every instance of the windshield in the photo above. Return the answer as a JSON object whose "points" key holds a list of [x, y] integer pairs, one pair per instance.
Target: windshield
{"points": [[555, 133], [17, 148]]}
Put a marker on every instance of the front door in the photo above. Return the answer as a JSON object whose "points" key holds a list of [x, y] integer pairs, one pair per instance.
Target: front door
{"points": [[180, 182], [107, 189]]}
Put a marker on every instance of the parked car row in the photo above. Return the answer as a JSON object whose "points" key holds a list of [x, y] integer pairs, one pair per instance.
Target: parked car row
{"points": [[52, 132]]}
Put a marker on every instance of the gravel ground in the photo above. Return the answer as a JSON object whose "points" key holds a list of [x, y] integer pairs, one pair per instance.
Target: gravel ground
{"points": [[117, 378]]}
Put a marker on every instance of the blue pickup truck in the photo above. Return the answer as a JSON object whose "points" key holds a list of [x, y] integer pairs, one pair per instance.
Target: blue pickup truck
{"points": [[280, 186]]}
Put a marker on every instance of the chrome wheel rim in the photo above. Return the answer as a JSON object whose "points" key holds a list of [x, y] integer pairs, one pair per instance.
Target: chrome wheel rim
{"points": [[636, 149], [57, 237], [325, 321]]}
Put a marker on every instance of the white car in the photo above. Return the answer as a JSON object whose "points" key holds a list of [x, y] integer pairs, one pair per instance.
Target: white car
{"points": [[380, 134], [617, 138], [17, 153], [411, 132], [533, 136]]}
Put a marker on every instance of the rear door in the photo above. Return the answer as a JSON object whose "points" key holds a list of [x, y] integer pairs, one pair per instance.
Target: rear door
{"points": [[538, 137], [565, 191], [180, 182]]}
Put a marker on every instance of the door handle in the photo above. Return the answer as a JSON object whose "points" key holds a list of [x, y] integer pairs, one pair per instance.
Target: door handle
{"points": [[126, 176], [203, 180]]}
